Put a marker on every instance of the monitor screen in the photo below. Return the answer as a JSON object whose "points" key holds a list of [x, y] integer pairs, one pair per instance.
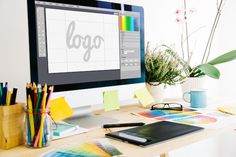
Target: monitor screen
{"points": [[85, 44]]}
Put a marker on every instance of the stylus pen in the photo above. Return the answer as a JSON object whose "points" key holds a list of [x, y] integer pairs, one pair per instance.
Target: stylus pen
{"points": [[122, 125]]}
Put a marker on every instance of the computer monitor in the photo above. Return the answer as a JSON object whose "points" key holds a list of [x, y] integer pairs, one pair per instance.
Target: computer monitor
{"points": [[80, 46]]}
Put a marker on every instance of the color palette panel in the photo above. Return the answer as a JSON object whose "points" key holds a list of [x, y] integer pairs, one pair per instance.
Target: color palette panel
{"points": [[199, 119], [128, 23]]}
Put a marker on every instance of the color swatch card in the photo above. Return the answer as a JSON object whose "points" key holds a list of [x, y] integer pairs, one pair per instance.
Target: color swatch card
{"points": [[111, 100], [197, 120], [168, 114], [97, 148], [144, 97], [213, 119], [210, 119]]}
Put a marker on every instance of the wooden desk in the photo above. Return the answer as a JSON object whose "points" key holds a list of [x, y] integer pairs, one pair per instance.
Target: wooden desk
{"points": [[124, 115]]}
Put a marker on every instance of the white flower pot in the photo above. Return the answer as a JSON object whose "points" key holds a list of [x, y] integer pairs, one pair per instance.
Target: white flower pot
{"points": [[157, 91]]}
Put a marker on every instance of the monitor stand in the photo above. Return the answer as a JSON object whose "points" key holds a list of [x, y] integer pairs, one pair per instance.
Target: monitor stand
{"points": [[84, 117]]}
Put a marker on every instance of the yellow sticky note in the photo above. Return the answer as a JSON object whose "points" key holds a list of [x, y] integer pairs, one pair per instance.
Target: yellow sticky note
{"points": [[144, 97], [60, 109], [110, 100]]}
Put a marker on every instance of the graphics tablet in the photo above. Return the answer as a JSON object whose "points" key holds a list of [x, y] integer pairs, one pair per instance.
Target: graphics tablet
{"points": [[153, 133]]}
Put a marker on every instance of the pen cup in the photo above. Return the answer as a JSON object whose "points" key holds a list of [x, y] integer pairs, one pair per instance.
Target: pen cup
{"points": [[37, 128], [11, 125]]}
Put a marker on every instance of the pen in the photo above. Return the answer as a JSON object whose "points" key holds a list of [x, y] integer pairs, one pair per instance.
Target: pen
{"points": [[1, 90], [4, 95], [123, 125], [13, 96]]}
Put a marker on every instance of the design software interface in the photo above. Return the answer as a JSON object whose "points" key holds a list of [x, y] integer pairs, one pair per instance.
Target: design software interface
{"points": [[92, 44]]}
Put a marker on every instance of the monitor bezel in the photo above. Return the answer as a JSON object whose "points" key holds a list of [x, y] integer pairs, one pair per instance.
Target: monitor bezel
{"points": [[91, 3]]}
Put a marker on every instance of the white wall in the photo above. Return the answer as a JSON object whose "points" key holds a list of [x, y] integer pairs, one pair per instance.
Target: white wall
{"points": [[226, 42], [14, 54], [160, 27]]}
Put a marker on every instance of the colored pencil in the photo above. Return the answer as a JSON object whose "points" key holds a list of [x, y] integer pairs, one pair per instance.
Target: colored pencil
{"points": [[9, 93], [42, 116], [31, 118]]}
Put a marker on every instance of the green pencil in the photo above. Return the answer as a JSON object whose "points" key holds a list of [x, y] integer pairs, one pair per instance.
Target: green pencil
{"points": [[37, 102]]}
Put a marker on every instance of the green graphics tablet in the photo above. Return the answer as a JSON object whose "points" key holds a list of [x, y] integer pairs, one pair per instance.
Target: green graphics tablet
{"points": [[153, 133]]}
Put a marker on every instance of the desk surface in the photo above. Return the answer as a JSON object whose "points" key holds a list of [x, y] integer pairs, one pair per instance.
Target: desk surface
{"points": [[123, 115]]}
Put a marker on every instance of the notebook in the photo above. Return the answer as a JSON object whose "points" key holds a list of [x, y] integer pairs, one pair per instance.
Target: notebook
{"points": [[153, 133], [63, 128]]}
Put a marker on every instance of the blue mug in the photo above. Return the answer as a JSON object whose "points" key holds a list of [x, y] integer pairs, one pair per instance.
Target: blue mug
{"points": [[198, 98]]}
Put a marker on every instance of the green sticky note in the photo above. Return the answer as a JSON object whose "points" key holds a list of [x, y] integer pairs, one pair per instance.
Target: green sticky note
{"points": [[144, 97], [110, 100]]}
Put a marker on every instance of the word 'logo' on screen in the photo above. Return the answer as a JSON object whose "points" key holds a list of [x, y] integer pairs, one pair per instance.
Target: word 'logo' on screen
{"points": [[75, 41]]}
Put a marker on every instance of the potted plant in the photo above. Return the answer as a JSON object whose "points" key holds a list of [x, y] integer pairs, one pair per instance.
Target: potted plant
{"points": [[163, 67], [195, 74]]}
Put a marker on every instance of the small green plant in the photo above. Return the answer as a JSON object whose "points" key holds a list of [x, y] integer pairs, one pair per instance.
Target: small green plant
{"points": [[163, 66]]}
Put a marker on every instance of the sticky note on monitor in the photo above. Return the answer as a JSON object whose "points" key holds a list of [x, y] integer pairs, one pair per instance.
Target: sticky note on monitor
{"points": [[60, 109], [144, 97], [111, 100]]}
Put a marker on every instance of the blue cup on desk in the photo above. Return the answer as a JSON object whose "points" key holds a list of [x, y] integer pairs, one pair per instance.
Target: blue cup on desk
{"points": [[198, 98]]}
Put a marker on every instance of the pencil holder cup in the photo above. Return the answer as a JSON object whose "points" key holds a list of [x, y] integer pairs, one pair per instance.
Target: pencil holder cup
{"points": [[37, 128], [11, 125]]}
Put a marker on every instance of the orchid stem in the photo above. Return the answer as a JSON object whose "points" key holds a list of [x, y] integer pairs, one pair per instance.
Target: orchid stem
{"points": [[209, 41], [186, 29]]}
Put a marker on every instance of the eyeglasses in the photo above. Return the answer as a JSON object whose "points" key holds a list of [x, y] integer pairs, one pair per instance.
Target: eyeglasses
{"points": [[167, 106]]}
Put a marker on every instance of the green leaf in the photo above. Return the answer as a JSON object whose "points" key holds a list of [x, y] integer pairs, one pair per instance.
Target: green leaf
{"points": [[210, 70], [224, 58]]}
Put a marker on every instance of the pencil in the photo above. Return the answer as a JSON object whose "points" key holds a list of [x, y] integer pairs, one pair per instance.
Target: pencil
{"points": [[31, 118], [50, 91], [38, 102], [36, 140], [28, 131], [42, 115], [9, 93], [49, 96]]}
